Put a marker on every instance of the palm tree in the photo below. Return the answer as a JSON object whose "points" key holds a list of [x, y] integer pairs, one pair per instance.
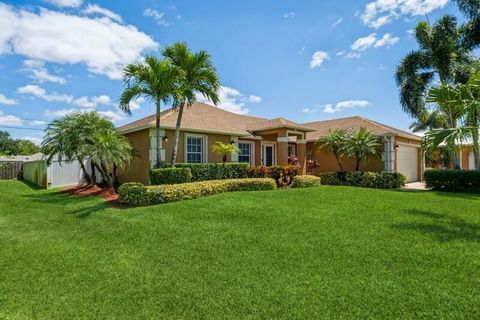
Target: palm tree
{"points": [[360, 144], [200, 78], [156, 80], [471, 8], [442, 54], [224, 150], [334, 142]]}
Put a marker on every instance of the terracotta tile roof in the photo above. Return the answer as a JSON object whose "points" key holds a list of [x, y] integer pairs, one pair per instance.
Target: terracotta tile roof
{"points": [[277, 123], [323, 127]]}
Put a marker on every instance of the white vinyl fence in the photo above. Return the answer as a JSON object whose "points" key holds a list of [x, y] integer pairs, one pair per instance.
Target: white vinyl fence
{"points": [[57, 174]]}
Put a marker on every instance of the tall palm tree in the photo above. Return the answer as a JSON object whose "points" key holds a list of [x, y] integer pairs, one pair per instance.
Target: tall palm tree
{"points": [[156, 80], [360, 144], [471, 8], [334, 142], [200, 78], [442, 55]]}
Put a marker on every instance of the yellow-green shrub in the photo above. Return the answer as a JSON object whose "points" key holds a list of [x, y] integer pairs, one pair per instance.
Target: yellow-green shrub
{"points": [[305, 181]]}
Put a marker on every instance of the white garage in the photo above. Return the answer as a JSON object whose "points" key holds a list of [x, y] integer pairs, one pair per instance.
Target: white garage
{"points": [[407, 162]]}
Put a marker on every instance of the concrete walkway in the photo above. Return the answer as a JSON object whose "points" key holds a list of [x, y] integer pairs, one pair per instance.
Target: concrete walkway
{"points": [[417, 186]]}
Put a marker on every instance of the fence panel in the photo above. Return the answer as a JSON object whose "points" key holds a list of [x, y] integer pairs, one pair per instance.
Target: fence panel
{"points": [[10, 169], [64, 174], [36, 172]]}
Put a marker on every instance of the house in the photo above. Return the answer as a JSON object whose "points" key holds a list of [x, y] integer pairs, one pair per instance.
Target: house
{"points": [[465, 158], [261, 141]]}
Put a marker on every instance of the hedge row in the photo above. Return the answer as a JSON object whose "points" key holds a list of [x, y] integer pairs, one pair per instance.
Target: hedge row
{"points": [[453, 180], [305, 181], [170, 176], [380, 180], [283, 175], [215, 171], [137, 194]]}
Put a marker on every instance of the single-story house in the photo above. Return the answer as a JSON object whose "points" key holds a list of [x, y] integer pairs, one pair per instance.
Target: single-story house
{"points": [[465, 156], [261, 141]]}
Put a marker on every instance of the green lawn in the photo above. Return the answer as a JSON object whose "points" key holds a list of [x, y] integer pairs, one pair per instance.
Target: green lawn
{"points": [[328, 252]]}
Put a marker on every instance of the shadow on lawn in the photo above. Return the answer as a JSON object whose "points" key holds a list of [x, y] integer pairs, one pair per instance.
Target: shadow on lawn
{"points": [[443, 228]]}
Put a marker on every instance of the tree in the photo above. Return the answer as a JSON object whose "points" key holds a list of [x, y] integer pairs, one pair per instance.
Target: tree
{"points": [[82, 135], [156, 80], [471, 8], [334, 142], [26, 147], [200, 78], [360, 144], [224, 150], [7, 144], [442, 55]]}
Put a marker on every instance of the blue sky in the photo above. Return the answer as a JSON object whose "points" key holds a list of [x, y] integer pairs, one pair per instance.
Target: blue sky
{"points": [[303, 60]]}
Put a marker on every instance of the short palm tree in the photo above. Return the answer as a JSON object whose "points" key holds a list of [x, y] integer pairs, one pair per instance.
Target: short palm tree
{"points": [[224, 150], [334, 142], [360, 144], [200, 78], [156, 80], [442, 54]]}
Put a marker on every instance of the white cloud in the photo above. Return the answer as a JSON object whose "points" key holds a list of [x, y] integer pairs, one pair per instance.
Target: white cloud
{"points": [[348, 104], [66, 3], [340, 53], [103, 45], [8, 120], [59, 112], [232, 100], [96, 9], [36, 70], [380, 12], [36, 140], [309, 110], [336, 23], [39, 92], [362, 44], [289, 15], [387, 40], [318, 58], [353, 55], [112, 115], [159, 17], [136, 104], [255, 99], [302, 50], [37, 123], [7, 101], [86, 102]]}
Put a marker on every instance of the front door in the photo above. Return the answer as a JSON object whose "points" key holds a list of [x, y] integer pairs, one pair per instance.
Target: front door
{"points": [[268, 154]]}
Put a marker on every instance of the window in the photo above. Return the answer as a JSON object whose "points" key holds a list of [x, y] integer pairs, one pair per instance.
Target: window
{"points": [[245, 153], [291, 150], [195, 149]]}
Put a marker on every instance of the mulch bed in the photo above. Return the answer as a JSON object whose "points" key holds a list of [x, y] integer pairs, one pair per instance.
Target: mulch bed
{"points": [[108, 194]]}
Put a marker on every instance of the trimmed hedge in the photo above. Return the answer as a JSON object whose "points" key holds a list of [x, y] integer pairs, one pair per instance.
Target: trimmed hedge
{"points": [[170, 176], [305, 181], [138, 194], [379, 180], [283, 175], [453, 180], [215, 171]]}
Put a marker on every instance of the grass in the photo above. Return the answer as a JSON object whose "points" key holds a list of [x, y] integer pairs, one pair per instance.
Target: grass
{"points": [[328, 252]]}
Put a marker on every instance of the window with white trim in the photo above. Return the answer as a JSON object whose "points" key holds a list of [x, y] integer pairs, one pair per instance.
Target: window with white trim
{"points": [[195, 149], [245, 154]]}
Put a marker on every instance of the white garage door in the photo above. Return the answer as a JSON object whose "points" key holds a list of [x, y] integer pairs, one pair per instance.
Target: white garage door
{"points": [[471, 161], [407, 162]]}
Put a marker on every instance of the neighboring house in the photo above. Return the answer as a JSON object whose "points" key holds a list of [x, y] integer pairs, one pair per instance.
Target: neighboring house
{"points": [[261, 141], [465, 157], [32, 157]]}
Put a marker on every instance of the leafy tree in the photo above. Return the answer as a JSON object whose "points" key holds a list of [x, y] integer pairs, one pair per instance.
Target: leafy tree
{"points": [[442, 55], [156, 80], [224, 149], [360, 144], [334, 142], [27, 147], [200, 78], [82, 135], [10, 146]]}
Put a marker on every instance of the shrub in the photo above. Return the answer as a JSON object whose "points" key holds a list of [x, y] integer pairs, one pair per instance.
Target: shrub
{"points": [[170, 176], [143, 195], [133, 193], [305, 181], [453, 180], [312, 166], [283, 175], [380, 180], [258, 172], [215, 171]]}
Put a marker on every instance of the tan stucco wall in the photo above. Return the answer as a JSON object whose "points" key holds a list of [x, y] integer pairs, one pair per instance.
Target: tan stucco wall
{"points": [[137, 170], [328, 161]]}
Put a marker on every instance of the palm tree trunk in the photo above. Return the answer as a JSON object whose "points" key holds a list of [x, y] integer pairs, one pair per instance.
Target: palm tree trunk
{"points": [[339, 163], [476, 148], [92, 168], [158, 162], [105, 176], [357, 163], [88, 178], [177, 135]]}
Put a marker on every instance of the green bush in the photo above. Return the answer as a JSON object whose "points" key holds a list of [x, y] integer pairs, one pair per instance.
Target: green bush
{"points": [[305, 181], [142, 195], [215, 171], [170, 176], [453, 180], [283, 175], [133, 193], [258, 172], [380, 180]]}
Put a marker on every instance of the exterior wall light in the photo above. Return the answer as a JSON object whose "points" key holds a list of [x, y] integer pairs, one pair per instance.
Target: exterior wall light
{"points": [[165, 138]]}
